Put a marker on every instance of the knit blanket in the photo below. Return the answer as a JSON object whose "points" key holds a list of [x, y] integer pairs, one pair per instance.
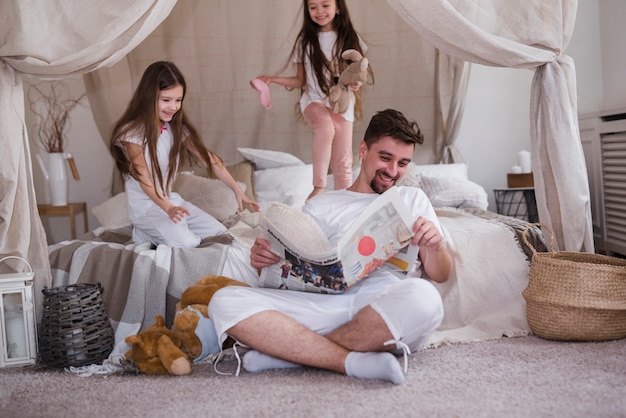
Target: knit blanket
{"points": [[139, 281], [483, 298]]}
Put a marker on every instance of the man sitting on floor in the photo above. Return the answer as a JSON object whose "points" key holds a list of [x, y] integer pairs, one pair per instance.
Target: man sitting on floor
{"points": [[356, 332]]}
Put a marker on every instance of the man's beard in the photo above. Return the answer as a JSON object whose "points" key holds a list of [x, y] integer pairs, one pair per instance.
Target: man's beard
{"points": [[382, 188]]}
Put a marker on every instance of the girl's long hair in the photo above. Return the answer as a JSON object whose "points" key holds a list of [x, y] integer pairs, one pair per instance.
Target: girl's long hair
{"points": [[307, 42], [141, 118]]}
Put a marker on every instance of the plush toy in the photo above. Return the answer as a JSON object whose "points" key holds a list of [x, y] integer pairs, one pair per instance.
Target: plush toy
{"points": [[355, 74], [192, 324], [157, 350]]}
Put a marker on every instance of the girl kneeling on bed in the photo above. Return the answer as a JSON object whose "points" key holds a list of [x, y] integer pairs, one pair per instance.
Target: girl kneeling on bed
{"points": [[147, 143]]}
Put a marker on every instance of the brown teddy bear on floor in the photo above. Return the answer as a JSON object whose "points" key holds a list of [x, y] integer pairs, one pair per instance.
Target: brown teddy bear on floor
{"points": [[191, 323], [158, 350]]}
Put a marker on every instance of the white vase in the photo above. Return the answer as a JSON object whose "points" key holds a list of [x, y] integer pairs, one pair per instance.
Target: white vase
{"points": [[53, 168]]}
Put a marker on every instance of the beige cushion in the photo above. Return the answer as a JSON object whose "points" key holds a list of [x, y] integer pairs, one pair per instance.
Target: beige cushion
{"points": [[241, 172], [210, 195], [113, 212], [454, 192]]}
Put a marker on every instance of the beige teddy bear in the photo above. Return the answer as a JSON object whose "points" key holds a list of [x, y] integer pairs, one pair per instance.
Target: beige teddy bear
{"points": [[354, 75]]}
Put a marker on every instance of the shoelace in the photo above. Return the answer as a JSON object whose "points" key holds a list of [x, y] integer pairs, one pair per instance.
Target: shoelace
{"points": [[107, 367], [221, 356], [405, 350]]}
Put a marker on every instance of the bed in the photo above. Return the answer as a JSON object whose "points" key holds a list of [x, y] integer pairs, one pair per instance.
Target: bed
{"points": [[482, 300]]}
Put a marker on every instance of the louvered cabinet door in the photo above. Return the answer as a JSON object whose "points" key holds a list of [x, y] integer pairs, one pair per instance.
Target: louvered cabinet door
{"points": [[613, 152]]}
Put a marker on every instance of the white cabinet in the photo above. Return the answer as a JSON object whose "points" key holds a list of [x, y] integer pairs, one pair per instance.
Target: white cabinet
{"points": [[603, 137]]}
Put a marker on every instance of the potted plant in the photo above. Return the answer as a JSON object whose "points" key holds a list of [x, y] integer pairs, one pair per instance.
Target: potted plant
{"points": [[52, 106]]}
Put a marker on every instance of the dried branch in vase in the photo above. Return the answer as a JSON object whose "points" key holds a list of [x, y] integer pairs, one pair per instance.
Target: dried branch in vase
{"points": [[52, 110]]}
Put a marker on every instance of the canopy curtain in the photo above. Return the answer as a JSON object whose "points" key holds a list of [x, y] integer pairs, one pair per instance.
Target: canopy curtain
{"points": [[452, 80], [532, 34], [52, 40], [220, 45]]}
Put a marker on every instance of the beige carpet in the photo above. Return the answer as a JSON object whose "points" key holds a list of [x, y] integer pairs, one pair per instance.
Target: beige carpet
{"points": [[508, 377]]}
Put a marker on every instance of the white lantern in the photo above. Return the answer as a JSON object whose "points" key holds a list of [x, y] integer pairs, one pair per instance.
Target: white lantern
{"points": [[17, 318]]}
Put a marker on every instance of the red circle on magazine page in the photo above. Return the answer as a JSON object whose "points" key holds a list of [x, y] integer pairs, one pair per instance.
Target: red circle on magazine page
{"points": [[366, 246]]}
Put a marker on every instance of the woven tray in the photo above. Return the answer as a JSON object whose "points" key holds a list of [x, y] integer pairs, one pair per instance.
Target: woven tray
{"points": [[75, 329], [575, 296]]}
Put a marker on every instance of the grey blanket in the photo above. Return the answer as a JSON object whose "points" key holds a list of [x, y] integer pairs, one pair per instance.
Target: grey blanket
{"points": [[138, 281], [533, 233]]}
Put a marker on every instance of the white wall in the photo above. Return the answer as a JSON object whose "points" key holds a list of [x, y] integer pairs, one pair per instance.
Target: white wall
{"points": [[585, 49], [613, 49], [495, 126]]}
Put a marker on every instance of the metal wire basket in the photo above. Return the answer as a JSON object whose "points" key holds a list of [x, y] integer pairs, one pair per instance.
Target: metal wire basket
{"points": [[75, 329]]}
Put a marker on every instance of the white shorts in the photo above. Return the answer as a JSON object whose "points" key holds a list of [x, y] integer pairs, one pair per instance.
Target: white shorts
{"points": [[412, 308]]}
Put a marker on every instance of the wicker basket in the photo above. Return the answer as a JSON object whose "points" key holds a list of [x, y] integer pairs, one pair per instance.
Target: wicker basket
{"points": [[575, 296], [75, 329]]}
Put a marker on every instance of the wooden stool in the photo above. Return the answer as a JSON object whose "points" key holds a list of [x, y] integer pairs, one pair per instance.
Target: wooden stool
{"points": [[70, 210]]}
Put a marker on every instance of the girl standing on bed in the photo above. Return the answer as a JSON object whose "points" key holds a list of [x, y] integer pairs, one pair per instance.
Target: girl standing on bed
{"points": [[326, 32], [147, 143]]}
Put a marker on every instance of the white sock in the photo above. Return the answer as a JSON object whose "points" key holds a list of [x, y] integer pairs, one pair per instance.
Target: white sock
{"points": [[255, 361], [374, 365]]}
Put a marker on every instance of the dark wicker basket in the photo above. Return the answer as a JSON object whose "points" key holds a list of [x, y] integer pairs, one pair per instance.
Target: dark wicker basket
{"points": [[75, 329]]}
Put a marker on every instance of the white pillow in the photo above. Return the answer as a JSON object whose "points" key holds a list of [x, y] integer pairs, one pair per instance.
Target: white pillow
{"points": [[454, 192], [210, 195], [455, 171], [264, 159], [288, 185], [414, 171], [113, 212]]}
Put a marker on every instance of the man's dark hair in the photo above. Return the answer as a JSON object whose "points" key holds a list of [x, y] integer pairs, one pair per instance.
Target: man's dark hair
{"points": [[390, 122]]}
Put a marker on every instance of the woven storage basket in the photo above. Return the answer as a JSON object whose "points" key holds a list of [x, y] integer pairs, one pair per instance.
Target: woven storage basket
{"points": [[75, 329], [575, 296]]}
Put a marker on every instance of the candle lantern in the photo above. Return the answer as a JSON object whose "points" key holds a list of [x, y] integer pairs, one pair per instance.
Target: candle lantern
{"points": [[17, 318]]}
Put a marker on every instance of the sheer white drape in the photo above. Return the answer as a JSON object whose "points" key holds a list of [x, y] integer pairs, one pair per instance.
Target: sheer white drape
{"points": [[52, 39], [452, 79], [530, 34]]}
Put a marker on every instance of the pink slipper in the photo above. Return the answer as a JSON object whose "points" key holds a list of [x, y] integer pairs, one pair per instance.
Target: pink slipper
{"points": [[263, 88]]}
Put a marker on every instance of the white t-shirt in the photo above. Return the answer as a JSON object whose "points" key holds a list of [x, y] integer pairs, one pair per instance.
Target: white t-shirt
{"points": [[335, 211], [313, 93], [138, 201]]}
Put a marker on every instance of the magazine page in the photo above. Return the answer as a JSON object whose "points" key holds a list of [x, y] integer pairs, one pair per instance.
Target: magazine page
{"points": [[308, 262], [381, 234]]}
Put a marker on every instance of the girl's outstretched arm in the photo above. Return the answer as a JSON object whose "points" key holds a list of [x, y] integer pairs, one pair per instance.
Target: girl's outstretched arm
{"points": [[224, 175], [293, 82]]}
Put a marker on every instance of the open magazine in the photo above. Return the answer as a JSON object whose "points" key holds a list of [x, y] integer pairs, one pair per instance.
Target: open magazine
{"points": [[380, 235]]}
